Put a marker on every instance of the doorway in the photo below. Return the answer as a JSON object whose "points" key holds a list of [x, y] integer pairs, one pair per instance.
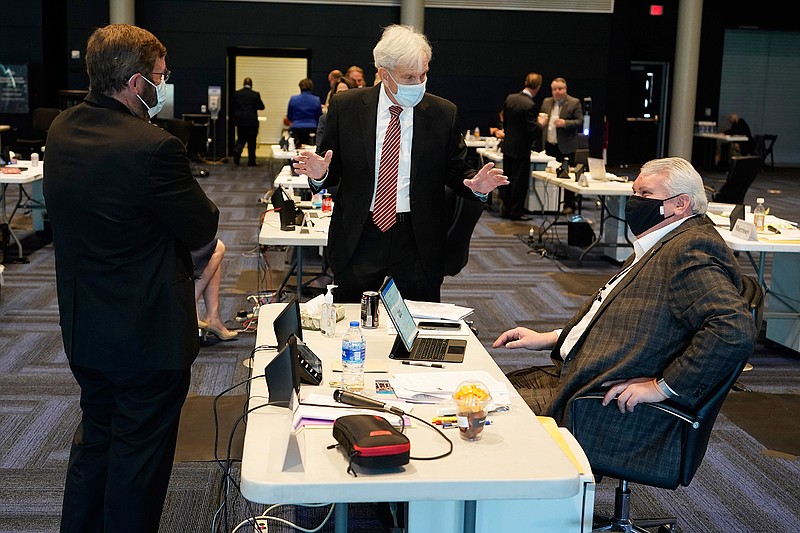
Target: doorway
{"points": [[275, 73], [646, 110]]}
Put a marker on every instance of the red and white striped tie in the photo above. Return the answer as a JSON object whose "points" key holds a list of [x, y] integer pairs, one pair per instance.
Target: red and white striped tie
{"points": [[385, 212]]}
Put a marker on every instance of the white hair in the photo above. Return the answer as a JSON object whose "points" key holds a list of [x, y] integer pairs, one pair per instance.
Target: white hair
{"points": [[402, 45], [680, 177]]}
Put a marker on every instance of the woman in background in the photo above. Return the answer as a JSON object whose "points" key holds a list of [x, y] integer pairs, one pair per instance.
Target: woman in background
{"points": [[207, 273]]}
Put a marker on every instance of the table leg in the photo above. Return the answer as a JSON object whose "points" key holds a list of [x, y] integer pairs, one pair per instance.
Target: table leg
{"points": [[8, 233], [299, 256], [340, 518]]}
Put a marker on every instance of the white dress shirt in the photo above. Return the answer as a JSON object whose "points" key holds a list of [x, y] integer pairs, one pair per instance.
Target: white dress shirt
{"points": [[641, 247]]}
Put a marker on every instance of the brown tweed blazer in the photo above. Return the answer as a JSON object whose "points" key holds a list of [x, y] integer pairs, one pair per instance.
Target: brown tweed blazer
{"points": [[678, 315]]}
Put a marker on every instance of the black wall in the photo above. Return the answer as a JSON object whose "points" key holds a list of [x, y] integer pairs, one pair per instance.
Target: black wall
{"points": [[479, 55]]}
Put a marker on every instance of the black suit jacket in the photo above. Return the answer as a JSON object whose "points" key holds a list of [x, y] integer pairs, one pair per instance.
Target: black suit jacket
{"points": [[125, 211], [437, 160], [519, 124], [246, 105]]}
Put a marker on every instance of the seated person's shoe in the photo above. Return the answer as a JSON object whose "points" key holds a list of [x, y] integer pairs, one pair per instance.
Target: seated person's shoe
{"points": [[229, 336]]}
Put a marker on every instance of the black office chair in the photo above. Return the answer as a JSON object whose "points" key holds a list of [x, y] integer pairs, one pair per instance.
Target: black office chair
{"points": [[766, 150], [742, 173], [463, 215], [182, 129], [650, 459], [30, 140]]}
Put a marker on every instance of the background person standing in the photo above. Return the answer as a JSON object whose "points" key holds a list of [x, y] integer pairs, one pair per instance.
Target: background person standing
{"points": [[125, 212], [246, 105], [562, 126], [520, 131]]}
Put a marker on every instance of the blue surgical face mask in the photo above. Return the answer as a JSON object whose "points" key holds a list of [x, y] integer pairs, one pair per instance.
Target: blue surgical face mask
{"points": [[408, 95], [161, 96]]}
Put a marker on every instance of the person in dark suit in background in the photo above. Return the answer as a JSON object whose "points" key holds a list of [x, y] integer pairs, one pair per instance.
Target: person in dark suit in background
{"points": [[562, 121], [333, 79], [671, 324], [246, 105], [408, 243], [521, 129], [125, 212]]}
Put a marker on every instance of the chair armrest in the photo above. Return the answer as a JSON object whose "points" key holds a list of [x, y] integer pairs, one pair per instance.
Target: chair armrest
{"points": [[666, 406]]}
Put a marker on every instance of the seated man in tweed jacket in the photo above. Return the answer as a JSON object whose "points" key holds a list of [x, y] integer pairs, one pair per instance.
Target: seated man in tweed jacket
{"points": [[670, 324]]}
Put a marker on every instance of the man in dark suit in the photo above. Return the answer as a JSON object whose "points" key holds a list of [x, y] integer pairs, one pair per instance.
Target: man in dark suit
{"points": [[521, 129], [562, 122], [246, 105], [671, 324], [125, 212], [401, 233]]}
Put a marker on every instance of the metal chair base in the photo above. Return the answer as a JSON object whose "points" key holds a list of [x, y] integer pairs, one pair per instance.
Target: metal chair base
{"points": [[621, 521]]}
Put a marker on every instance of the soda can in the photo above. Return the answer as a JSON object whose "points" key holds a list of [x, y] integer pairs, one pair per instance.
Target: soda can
{"points": [[369, 309]]}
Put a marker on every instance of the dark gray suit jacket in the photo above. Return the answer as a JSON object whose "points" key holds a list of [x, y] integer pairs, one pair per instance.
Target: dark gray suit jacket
{"points": [[125, 212], [437, 160], [572, 112]]}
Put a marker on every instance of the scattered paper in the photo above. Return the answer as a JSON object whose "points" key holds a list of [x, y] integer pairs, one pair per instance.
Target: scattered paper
{"points": [[435, 387], [438, 310], [326, 410]]}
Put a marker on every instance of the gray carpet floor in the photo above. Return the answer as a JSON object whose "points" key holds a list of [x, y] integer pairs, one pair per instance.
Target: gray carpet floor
{"points": [[740, 487]]}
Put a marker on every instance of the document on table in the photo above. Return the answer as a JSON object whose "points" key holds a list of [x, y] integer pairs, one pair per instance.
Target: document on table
{"points": [[326, 410], [435, 387], [438, 310]]}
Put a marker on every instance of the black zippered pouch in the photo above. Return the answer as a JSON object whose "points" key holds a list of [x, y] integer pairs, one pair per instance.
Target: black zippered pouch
{"points": [[371, 441]]}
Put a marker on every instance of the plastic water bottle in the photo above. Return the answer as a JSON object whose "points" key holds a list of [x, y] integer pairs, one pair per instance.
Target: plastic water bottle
{"points": [[759, 214], [354, 351]]}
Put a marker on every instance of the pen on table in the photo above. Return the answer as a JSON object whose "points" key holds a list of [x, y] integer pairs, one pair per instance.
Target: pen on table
{"points": [[773, 229], [450, 425], [423, 363], [439, 420]]}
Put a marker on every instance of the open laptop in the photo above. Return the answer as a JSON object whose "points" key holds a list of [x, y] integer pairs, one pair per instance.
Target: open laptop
{"points": [[597, 168], [408, 344]]}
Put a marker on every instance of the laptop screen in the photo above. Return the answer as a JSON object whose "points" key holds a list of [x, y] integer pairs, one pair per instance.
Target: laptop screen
{"points": [[399, 314], [597, 168]]}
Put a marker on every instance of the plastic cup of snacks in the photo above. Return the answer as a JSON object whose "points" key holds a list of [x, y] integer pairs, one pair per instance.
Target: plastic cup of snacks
{"points": [[471, 399]]}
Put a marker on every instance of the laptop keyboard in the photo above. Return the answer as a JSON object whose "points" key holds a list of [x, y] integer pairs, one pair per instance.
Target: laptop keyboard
{"points": [[430, 349]]}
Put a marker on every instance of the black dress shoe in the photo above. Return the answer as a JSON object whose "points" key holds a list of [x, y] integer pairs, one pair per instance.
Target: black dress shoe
{"points": [[251, 165], [522, 218]]}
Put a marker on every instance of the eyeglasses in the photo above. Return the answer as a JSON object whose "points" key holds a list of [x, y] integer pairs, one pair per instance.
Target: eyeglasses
{"points": [[164, 75]]}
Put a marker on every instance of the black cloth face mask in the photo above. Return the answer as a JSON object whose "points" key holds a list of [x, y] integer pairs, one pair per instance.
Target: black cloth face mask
{"points": [[643, 213]]}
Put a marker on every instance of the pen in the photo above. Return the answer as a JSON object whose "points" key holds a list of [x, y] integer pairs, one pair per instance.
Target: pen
{"points": [[773, 229], [423, 363]]}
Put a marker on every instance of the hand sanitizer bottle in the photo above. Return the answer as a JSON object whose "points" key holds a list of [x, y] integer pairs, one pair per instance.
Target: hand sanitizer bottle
{"points": [[327, 319]]}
